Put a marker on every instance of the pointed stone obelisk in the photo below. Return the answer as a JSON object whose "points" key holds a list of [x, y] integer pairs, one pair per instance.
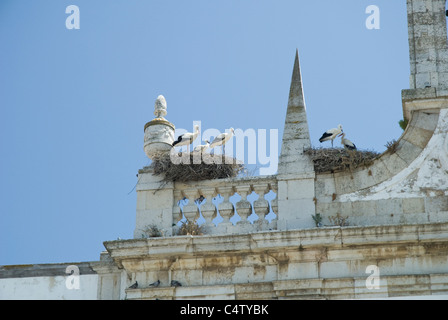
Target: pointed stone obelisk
{"points": [[296, 136], [295, 170]]}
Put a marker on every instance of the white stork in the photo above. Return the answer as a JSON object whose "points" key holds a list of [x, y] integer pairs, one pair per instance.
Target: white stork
{"points": [[331, 134], [201, 148], [187, 138], [221, 139], [347, 143]]}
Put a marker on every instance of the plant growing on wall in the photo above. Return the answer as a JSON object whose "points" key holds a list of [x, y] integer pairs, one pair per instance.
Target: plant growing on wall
{"points": [[151, 231], [190, 228], [339, 220], [403, 124], [391, 146], [317, 219]]}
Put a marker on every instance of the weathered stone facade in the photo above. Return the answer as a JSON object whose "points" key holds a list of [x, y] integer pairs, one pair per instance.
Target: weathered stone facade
{"points": [[397, 209]]}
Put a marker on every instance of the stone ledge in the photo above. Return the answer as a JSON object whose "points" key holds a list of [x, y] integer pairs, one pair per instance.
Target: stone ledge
{"points": [[318, 288], [184, 246], [49, 269]]}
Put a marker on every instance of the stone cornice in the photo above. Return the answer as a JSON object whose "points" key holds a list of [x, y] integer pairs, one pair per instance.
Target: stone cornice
{"points": [[184, 246]]}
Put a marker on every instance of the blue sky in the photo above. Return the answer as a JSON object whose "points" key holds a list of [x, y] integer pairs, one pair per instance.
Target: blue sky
{"points": [[73, 103]]}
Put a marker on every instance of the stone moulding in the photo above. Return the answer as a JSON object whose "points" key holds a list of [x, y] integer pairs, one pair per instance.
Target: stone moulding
{"points": [[159, 121], [336, 237], [343, 288], [317, 263]]}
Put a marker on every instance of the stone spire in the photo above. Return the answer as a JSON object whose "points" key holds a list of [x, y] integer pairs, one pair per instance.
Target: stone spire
{"points": [[296, 136]]}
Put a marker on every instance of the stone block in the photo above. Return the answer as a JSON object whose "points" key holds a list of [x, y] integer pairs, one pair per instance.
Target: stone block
{"points": [[363, 179], [389, 207], [324, 185], [413, 205], [436, 204], [433, 231], [282, 193], [148, 181], [188, 277], [407, 265], [295, 223], [439, 284], [440, 216], [364, 208], [423, 120], [334, 269], [299, 270], [293, 214], [161, 218], [393, 163], [409, 285], [338, 288], [346, 208], [328, 209], [161, 199], [408, 151], [205, 292], [378, 171], [224, 276], [300, 189], [291, 164], [418, 137], [412, 218], [304, 284], [328, 236], [249, 291], [419, 93], [369, 234], [364, 290], [344, 183], [141, 200]]}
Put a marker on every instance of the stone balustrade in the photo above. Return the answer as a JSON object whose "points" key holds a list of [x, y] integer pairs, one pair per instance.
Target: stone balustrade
{"points": [[237, 205]]}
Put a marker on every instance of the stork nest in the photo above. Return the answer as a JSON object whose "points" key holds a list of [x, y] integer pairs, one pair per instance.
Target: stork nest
{"points": [[339, 159], [209, 167]]}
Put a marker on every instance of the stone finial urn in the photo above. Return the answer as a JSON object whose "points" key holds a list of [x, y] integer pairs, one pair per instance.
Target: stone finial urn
{"points": [[159, 132]]}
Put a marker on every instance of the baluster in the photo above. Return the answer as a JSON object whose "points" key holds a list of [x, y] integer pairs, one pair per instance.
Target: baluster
{"points": [[191, 211], [274, 202], [243, 207], [226, 207], [208, 209], [274, 207], [177, 212], [261, 205]]}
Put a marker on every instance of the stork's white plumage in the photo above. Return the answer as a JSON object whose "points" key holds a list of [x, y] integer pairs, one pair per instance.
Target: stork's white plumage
{"points": [[347, 143], [222, 138], [187, 138], [201, 148], [331, 134]]}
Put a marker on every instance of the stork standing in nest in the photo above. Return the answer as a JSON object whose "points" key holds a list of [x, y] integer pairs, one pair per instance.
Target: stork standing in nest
{"points": [[187, 138], [331, 134], [221, 139], [201, 148], [347, 143]]}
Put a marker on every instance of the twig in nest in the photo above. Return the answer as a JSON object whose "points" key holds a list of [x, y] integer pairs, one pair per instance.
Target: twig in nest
{"points": [[338, 159], [216, 167]]}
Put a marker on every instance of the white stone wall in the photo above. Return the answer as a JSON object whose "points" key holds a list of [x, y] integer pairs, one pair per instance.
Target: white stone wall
{"points": [[48, 288]]}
